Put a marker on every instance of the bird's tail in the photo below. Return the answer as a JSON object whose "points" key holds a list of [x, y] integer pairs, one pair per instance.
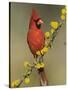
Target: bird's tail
{"points": [[43, 78]]}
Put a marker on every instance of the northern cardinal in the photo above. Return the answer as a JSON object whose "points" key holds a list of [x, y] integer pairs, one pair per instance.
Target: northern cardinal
{"points": [[35, 36], [36, 40]]}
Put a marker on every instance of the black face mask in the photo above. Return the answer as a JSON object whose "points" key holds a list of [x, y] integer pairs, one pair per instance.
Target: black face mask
{"points": [[37, 25]]}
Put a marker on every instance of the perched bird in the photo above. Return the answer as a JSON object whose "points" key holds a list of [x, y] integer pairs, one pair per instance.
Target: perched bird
{"points": [[36, 41], [35, 36]]}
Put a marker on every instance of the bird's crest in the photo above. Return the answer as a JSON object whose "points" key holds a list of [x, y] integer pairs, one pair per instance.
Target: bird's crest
{"points": [[34, 16]]}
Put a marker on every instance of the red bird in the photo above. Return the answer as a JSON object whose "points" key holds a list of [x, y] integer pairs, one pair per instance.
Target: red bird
{"points": [[36, 41], [35, 36]]}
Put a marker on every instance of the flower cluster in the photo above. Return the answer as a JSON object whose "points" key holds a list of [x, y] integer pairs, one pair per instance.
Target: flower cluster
{"points": [[15, 83], [39, 65], [27, 80], [63, 13], [26, 64], [42, 51]]}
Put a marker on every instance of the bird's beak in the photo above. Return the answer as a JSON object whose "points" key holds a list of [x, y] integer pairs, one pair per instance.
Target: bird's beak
{"points": [[41, 21]]}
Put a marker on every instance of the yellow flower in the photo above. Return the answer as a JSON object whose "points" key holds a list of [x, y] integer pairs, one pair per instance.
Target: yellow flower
{"points": [[63, 11], [54, 24], [27, 80], [39, 65], [45, 49], [42, 52], [47, 34], [26, 63], [62, 17], [42, 65], [38, 53], [52, 31], [15, 83]]}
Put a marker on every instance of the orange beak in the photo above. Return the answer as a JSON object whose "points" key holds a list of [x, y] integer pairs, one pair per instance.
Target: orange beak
{"points": [[40, 21]]}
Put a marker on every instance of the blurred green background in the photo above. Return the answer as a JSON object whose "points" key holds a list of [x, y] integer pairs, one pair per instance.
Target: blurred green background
{"points": [[55, 59]]}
